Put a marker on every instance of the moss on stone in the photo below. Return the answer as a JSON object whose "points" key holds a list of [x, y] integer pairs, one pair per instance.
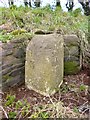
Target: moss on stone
{"points": [[70, 67], [6, 78], [18, 31], [24, 36], [19, 35]]}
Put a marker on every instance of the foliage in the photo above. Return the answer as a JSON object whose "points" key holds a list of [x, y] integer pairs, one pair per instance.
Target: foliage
{"points": [[16, 34], [12, 115], [9, 100], [53, 110], [16, 106], [77, 12], [45, 19], [75, 109], [83, 87], [5, 37]]}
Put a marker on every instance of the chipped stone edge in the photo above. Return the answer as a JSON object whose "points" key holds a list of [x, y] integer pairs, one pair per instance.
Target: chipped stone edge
{"points": [[44, 93]]}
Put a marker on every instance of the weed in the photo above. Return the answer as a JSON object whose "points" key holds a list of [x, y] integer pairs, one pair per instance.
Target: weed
{"points": [[75, 109], [83, 87], [5, 37], [64, 89], [10, 99], [18, 104], [12, 115], [40, 115], [44, 18]]}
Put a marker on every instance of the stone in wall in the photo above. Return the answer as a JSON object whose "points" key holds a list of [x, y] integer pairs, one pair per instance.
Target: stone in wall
{"points": [[72, 54], [44, 63], [13, 62]]}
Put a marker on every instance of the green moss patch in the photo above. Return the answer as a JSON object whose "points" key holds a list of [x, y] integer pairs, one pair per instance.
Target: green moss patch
{"points": [[18, 31], [44, 18], [70, 67], [15, 35]]}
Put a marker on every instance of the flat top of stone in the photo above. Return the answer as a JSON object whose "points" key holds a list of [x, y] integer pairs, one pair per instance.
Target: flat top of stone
{"points": [[46, 36], [71, 38], [45, 41]]}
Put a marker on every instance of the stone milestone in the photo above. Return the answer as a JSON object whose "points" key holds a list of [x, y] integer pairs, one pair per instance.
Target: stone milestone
{"points": [[44, 63]]}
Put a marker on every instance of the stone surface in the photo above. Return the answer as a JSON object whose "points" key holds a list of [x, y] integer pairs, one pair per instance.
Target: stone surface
{"points": [[7, 26], [72, 54], [12, 82], [44, 63], [6, 52], [12, 57]]}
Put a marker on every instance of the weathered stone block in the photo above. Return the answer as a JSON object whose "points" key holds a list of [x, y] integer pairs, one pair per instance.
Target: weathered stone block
{"points": [[6, 52], [13, 81], [19, 53], [86, 56], [12, 68], [72, 54], [9, 61], [12, 61], [44, 63], [8, 46]]}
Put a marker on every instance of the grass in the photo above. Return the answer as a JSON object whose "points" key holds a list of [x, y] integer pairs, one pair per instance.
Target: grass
{"points": [[44, 19]]}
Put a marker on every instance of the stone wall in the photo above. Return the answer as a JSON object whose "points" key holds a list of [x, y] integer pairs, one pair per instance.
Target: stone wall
{"points": [[13, 56], [13, 62], [72, 54]]}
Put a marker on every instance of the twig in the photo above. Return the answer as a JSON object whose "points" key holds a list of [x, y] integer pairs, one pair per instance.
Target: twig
{"points": [[85, 103], [4, 112], [59, 95], [19, 113], [1, 93], [84, 111], [70, 99]]}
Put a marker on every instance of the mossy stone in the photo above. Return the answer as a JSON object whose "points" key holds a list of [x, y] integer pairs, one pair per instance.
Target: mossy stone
{"points": [[70, 67], [18, 31]]}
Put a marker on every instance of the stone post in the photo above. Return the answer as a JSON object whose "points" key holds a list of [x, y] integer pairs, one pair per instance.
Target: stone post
{"points": [[44, 64]]}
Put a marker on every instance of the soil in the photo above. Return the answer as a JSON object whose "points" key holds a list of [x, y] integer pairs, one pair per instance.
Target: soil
{"points": [[71, 94]]}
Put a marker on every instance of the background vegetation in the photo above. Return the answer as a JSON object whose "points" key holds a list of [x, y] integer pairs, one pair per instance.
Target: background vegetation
{"points": [[18, 20]]}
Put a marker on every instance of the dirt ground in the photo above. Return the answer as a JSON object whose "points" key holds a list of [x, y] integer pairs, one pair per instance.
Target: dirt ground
{"points": [[71, 93]]}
